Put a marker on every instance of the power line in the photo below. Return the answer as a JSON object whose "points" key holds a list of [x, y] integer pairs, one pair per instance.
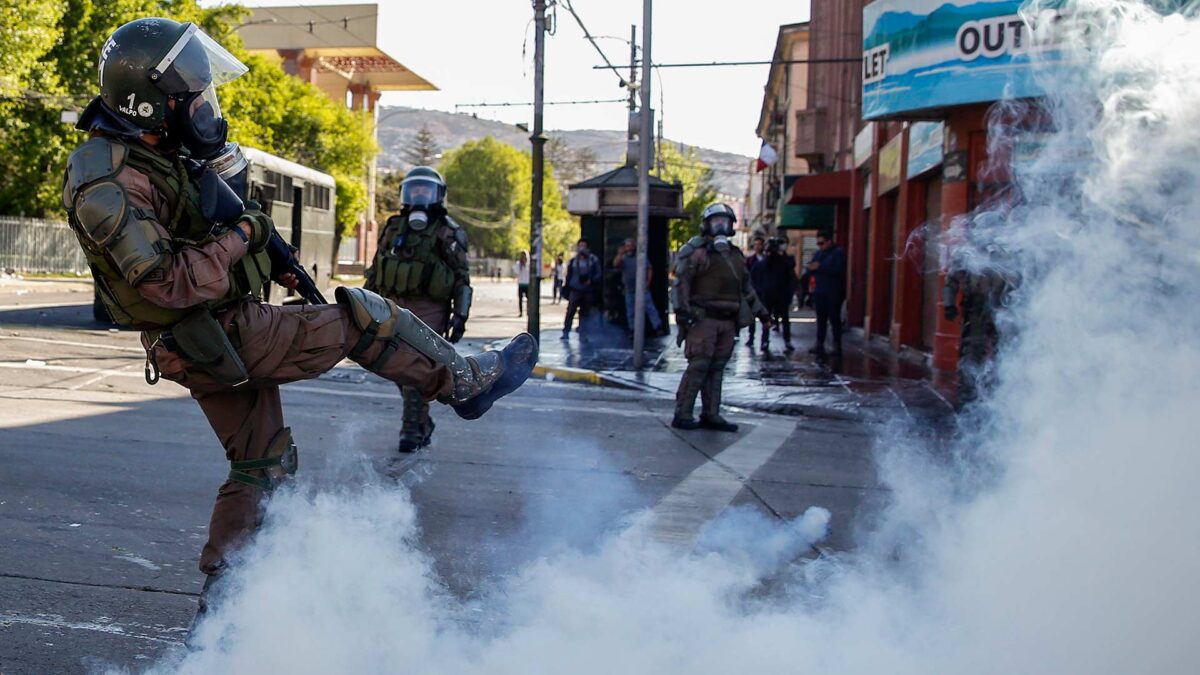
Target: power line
{"points": [[520, 104], [588, 35], [712, 64]]}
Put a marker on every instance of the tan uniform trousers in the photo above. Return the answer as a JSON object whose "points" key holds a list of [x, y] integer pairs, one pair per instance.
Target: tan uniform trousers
{"points": [[278, 345], [710, 338]]}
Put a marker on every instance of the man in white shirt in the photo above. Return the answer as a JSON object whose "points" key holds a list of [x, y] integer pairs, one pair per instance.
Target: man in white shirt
{"points": [[521, 272]]}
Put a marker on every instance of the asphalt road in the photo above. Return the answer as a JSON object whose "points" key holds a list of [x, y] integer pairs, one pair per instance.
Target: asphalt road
{"points": [[106, 483]]}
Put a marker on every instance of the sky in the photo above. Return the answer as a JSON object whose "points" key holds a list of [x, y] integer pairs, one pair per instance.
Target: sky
{"points": [[472, 51]]}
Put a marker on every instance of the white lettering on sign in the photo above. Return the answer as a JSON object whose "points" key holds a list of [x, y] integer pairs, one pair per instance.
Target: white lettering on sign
{"points": [[1002, 35], [875, 64], [104, 57]]}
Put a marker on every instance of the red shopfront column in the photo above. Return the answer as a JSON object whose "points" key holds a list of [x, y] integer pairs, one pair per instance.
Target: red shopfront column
{"points": [[856, 250], [956, 201]]}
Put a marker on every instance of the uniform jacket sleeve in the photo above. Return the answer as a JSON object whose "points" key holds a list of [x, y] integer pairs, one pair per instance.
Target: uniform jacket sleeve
{"points": [[190, 275]]}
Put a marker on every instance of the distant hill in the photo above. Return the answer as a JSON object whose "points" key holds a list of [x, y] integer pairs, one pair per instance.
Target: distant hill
{"points": [[398, 126]]}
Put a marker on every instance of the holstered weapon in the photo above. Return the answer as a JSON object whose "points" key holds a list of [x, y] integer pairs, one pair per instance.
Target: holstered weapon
{"points": [[200, 339]]}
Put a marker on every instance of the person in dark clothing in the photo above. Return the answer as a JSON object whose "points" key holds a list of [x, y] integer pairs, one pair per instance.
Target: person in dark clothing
{"points": [[752, 261], [584, 273], [828, 267], [774, 279]]}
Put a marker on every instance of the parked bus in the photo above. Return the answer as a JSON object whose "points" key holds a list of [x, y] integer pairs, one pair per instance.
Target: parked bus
{"points": [[301, 201]]}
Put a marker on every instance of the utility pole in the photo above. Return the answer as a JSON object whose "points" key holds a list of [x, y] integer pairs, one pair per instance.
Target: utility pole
{"points": [[630, 160], [639, 302], [538, 140]]}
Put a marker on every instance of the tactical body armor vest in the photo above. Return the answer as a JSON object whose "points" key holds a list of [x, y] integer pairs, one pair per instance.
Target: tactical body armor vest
{"points": [[719, 285], [410, 264], [119, 240]]}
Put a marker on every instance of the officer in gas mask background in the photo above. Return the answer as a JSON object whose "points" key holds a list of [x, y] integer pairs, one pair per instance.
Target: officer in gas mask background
{"points": [[421, 265], [713, 298]]}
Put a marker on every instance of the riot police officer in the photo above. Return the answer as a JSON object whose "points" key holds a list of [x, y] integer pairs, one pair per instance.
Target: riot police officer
{"points": [[421, 265], [176, 254], [713, 298], [986, 279]]}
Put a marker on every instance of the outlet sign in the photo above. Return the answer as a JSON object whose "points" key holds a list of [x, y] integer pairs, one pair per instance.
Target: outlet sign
{"points": [[923, 55]]}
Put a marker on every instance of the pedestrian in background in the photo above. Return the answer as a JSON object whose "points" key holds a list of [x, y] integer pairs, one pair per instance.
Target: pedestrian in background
{"points": [[828, 268], [752, 261], [583, 278], [521, 272], [774, 279], [557, 271], [626, 261]]}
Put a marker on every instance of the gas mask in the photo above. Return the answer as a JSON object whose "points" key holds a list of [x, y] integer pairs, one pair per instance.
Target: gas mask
{"points": [[721, 243], [197, 124], [418, 219]]}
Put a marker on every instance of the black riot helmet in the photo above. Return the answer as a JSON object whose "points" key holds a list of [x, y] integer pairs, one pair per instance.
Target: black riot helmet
{"points": [[148, 61], [423, 186], [718, 220]]}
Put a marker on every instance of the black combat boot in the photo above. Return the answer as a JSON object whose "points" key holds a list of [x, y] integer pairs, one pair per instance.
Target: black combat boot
{"points": [[710, 396], [689, 388], [412, 433], [481, 380]]}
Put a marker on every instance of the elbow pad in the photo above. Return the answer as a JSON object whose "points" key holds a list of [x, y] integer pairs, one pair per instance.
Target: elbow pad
{"points": [[125, 233]]}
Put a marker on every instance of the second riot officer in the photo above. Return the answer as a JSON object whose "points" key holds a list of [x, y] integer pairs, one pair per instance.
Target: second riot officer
{"points": [[713, 298], [421, 265], [176, 254]]}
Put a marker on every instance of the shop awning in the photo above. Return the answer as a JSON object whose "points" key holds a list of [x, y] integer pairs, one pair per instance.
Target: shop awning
{"points": [[820, 188], [806, 217]]}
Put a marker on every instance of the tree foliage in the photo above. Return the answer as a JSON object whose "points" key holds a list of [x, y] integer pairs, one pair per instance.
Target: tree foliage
{"points": [[387, 194], [696, 177], [488, 193], [48, 55], [423, 149]]}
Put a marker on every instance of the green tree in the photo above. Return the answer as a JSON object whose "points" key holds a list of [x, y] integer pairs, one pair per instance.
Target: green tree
{"points": [[685, 167], [423, 149], [387, 193], [488, 193], [48, 62]]}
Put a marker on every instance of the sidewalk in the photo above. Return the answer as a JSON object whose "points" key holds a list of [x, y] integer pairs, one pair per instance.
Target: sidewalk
{"points": [[870, 381]]}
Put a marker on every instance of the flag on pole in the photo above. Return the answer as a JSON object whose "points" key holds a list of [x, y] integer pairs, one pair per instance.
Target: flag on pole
{"points": [[766, 157]]}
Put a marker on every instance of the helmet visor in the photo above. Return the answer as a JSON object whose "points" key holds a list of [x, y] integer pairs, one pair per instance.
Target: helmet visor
{"points": [[720, 223], [196, 62], [420, 192]]}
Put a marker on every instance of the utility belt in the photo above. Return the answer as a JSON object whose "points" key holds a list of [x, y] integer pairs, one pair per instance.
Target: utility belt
{"points": [[714, 313], [414, 278], [201, 339]]}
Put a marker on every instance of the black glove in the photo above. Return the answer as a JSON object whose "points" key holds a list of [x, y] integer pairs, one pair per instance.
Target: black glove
{"points": [[261, 226], [458, 325], [951, 312], [282, 255]]}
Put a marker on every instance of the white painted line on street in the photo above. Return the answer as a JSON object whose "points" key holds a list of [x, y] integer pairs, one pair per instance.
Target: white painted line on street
{"points": [[705, 493], [48, 305], [135, 350], [102, 377], [55, 621], [49, 367]]}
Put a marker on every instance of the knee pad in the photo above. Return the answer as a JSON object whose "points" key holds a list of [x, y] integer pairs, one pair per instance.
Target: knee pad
{"points": [[281, 461]]}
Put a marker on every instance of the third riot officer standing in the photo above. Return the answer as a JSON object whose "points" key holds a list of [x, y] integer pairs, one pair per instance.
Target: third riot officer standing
{"points": [[712, 297], [421, 265]]}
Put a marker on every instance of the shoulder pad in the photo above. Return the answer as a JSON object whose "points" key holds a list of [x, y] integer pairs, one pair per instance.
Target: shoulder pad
{"points": [[451, 222], [98, 158], [685, 251], [394, 220], [460, 237], [697, 241]]}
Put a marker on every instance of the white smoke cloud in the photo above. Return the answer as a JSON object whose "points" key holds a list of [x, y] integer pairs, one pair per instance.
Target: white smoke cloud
{"points": [[1057, 533]]}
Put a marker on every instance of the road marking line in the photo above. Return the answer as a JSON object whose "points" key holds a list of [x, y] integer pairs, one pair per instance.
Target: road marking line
{"points": [[135, 350], [704, 494], [102, 377], [54, 621]]}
